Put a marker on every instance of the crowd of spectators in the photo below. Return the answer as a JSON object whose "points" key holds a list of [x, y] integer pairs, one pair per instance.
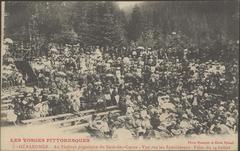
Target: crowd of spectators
{"points": [[11, 76], [159, 95]]}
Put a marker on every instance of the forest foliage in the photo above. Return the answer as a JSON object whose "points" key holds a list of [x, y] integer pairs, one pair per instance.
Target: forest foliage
{"points": [[103, 23]]}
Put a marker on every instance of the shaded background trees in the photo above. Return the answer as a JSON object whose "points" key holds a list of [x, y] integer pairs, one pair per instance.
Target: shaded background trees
{"points": [[95, 23], [205, 23]]}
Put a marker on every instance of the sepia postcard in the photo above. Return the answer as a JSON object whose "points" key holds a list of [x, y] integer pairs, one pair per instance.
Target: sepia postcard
{"points": [[119, 75]]}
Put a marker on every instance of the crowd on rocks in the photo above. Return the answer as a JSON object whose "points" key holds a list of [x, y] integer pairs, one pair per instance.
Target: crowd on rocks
{"points": [[159, 96]]}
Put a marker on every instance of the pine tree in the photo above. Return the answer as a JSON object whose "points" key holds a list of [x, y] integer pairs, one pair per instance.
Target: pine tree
{"points": [[135, 26], [110, 27]]}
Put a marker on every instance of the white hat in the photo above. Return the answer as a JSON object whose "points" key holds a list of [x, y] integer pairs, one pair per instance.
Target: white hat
{"points": [[221, 108]]}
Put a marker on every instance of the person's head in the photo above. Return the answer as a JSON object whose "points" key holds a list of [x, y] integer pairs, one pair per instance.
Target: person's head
{"points": [[137, 116], [228, 114], [150, 107], [94, 116], [217, 122], [104, 119], [156, 114]]}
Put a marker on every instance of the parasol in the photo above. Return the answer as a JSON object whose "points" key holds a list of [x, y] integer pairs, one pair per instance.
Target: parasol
{"points": [[168, 106], [129, 75], [60, 73], [8, 40], [140, 47], [99, 82], [4, 78], [10, 59], [110, 61], [109, 75], [54, 50]]}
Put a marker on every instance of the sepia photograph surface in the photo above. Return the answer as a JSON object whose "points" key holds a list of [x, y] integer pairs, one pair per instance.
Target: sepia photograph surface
{"points": [[119, 75]]}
